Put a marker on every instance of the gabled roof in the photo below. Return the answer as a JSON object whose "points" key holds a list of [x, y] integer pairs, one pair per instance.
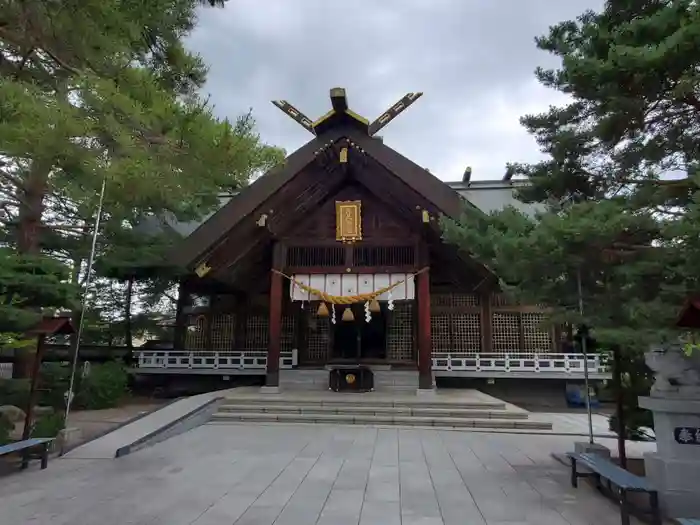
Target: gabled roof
{"points": [[444, 199]]}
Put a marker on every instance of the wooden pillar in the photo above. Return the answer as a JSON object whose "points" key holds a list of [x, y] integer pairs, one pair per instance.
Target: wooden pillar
{"points": [[425, 372], [275, 331], [274, 341], [33, 394]]}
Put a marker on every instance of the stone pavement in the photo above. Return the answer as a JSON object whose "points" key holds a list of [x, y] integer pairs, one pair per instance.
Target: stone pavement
{"points": [[313, 474], [105, 447]]}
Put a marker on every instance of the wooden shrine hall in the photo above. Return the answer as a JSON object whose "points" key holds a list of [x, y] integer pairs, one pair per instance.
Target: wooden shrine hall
{"points": [[335, 259]]}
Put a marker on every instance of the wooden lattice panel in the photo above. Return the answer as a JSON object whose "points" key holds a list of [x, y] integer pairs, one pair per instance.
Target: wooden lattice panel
{"points": [[537, 337], [196, 335], [454, 300], [441, 300], [288, 332], [440, 333], [399, 342], [500, 299], [466, 333], [318, 337], [465, 299], [505, 333], [222, 332], [256, 333]]}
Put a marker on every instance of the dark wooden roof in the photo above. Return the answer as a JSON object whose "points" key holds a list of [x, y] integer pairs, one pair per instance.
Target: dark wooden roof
{"points": [[689, 316], [444, 199], [53, 326]]}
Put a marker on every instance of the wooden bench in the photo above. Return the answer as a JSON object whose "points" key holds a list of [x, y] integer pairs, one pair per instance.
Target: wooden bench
{"points": [[28, 446], [624, 482]]}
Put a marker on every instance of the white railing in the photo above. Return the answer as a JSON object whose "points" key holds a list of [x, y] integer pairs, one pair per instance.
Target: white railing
{"points": [[213, 360], [571, 364], [5, 370]]}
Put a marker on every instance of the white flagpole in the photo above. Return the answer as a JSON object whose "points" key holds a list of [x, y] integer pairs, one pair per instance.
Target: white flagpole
{"points": [[86, 290]]}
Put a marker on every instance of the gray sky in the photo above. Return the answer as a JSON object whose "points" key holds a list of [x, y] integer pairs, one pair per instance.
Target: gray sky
{"points": [[472, 59]]}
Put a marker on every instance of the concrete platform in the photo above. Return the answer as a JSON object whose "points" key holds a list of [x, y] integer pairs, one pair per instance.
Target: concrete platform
{"points": [[464, 409]]}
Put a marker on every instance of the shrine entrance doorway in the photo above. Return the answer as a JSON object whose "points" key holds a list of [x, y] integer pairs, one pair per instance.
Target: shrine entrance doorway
{"points": [[358, 339]]}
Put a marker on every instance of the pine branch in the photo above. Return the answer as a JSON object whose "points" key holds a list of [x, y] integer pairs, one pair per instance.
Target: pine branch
{"points": [[12, 179]]}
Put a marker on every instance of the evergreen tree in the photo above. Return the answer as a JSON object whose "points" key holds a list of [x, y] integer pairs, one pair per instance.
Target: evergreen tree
{"points": [[618, 192], [93, 91]]}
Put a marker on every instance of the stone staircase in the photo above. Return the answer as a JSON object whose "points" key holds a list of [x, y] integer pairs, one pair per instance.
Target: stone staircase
{"points": [[374, 409]]}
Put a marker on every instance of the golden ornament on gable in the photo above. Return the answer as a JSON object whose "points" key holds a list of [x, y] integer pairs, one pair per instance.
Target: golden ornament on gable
{"points": [[348, 221]]}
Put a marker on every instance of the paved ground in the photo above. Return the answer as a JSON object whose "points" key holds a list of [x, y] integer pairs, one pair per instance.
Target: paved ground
{"points": [[303, 475], [94, 423], [106, 446]]}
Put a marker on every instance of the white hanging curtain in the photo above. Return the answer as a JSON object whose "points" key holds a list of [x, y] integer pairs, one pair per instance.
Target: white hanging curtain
{"points": [[354, 284]]}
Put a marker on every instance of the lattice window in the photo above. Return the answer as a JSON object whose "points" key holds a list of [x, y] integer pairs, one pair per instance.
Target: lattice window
{"points": [[289, 329], [196, 336], [465, 299], [537, 337], [256, 333], [222, 332], [466, 332], [441, 299], [454, 300], [306, 256], [506, 332], [318, 337], [400, 332], [501, 299], [383, 255], [440, 332]]}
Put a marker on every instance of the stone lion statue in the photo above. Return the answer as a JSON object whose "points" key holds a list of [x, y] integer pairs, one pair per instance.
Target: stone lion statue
{"points": [[674, 371]]}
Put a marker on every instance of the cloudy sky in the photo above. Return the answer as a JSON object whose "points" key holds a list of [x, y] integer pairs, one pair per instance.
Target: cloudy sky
{"points": [[472, 59]]}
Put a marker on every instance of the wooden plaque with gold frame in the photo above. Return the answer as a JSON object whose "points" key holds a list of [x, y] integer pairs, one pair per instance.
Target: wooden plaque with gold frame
{"points": [[348, 221]]}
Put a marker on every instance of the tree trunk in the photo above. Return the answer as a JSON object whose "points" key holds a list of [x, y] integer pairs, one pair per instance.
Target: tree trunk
{"points": [[127, 313], [31, 209], [619, 405]]}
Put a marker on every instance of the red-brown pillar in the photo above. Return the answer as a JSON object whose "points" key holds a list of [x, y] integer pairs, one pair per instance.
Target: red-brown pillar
{"points": [[425, 365], [275, 331]]}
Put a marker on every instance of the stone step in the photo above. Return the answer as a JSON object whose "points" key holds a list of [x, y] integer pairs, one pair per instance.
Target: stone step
{"points": [[349, 419], [374, 411], [356, 399]]}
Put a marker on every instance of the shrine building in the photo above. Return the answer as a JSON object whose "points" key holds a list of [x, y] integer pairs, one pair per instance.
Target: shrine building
{"points": [[336, 258]]}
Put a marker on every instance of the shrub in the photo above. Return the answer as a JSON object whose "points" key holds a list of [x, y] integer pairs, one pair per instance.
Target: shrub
{"points": [[53, 383], [48, 426], [14, 392], [104, 387]]}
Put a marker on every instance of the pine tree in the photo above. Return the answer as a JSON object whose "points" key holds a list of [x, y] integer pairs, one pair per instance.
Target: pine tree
{"points": [[619, 189], [93, 91]]}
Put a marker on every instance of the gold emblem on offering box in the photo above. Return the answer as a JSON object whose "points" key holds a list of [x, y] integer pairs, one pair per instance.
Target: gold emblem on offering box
{"points": [[348, 221]]}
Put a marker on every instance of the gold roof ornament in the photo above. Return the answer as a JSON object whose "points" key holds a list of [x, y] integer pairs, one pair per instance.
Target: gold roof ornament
{"points": [[202, 270]]}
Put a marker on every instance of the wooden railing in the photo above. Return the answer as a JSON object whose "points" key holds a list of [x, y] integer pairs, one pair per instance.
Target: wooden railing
{"points": [[530, 363], [213, 360]]}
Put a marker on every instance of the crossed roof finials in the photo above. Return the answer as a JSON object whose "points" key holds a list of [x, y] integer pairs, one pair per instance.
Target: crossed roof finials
{"points": [[342, 114]]}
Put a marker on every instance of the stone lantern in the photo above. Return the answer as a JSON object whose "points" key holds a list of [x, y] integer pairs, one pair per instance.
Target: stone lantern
{"points": [[675, 403]]}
